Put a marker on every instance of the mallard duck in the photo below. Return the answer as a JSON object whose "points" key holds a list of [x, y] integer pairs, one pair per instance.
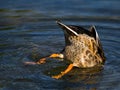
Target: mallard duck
{"points": [[82, 49]]}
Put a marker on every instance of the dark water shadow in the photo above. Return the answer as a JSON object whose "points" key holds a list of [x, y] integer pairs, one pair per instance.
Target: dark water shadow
{"points": [[78, 78]]}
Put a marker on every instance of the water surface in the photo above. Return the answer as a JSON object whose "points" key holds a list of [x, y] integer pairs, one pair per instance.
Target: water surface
{"points": [[28, 32]]}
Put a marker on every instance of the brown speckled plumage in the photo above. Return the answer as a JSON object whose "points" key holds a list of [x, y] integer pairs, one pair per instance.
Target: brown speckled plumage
{"points": [[83, 47]]}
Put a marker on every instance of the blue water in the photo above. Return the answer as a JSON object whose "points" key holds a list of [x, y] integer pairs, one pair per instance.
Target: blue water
{"points": [[28, 32]]}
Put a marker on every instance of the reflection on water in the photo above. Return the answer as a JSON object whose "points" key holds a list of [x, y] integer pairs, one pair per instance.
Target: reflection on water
{"points": [[28, 32], [78, 78]]}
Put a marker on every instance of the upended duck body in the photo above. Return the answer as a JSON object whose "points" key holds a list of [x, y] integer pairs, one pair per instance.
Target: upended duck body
{"points": [[82, 48]]}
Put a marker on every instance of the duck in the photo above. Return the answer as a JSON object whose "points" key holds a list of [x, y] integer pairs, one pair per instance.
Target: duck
{"points": [[83, 48]]}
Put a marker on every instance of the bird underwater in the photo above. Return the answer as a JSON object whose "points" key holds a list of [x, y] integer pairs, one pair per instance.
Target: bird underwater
{"points": [[83, 49]]}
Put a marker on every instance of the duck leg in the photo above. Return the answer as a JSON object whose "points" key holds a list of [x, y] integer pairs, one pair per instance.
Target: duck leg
{"points": [[54, 55], [43, 60], [69, 68]]}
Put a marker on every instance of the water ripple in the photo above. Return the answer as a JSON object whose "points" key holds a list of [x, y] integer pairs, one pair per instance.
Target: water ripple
{"points": [[28, 31]]}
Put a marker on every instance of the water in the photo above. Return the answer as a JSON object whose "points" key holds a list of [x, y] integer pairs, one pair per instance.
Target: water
{"points": [[28, 32]]}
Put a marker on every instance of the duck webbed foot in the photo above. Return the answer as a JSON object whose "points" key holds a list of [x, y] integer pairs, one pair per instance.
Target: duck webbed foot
{"points": [[69, 68], [43, 60]]}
